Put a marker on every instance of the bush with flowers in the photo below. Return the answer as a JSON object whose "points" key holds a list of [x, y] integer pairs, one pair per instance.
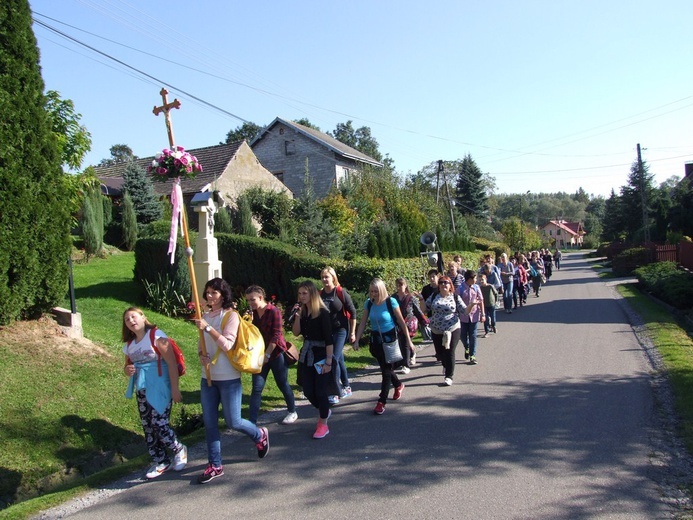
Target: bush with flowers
{"points": [[172, 163]]}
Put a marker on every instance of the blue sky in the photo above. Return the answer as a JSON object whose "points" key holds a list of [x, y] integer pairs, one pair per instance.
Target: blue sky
{"points": [[546, 96]]}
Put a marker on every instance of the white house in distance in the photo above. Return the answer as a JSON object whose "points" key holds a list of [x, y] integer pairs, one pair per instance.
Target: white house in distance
{"points": [[283, 147], [566, 234]]}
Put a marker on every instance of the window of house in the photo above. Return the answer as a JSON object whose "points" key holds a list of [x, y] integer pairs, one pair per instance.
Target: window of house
{"points": [[289, 147], [550, 232], [558, 232]]}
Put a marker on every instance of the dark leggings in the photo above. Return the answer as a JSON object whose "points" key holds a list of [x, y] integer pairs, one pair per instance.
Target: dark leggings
{"points": [[447, 355], [386, 369]]}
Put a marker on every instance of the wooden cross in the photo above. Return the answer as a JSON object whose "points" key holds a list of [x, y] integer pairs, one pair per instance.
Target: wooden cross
{"points": [[166, 109]]}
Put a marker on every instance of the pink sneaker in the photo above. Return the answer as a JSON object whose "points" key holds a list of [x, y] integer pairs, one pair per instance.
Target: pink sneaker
{"points": [[321, 431], [398, 392], [379, 408]]}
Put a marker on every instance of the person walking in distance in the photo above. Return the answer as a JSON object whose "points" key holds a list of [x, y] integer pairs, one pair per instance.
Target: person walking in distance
{"points": [[473, 300], [268, 319]]}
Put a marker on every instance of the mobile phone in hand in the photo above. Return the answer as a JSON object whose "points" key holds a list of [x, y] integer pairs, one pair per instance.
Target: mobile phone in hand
{"points": [[318, 366]]}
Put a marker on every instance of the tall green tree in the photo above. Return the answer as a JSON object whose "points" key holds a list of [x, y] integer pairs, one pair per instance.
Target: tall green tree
{"points": [[306, 122], [74, 140], [637, 200], [470, 189], [245, 218], [120, 153], [34, 206], [140, 187], [612, 223], [315, 232], [362, 140], [247, 131], [92, 222], [681, 213], [222, 221], [129, 223]]}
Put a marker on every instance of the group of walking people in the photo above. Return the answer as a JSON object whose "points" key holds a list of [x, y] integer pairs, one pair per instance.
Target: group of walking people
{"points": [[446, 311]]}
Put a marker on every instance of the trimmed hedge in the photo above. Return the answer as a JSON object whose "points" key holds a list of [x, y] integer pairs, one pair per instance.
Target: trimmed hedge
{"points": [[629, 260], [277, 266], [152, 259], [668, 283]]}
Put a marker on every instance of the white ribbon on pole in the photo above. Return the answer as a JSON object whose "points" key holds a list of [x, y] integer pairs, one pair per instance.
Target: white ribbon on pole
{"points": [[176, 217]]}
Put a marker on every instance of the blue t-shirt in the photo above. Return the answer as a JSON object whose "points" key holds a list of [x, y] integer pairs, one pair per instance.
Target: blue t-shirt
{"points": [[381, 319]]}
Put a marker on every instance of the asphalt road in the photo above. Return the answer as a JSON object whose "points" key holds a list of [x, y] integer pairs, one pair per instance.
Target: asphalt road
{"points": [[551, 424]]}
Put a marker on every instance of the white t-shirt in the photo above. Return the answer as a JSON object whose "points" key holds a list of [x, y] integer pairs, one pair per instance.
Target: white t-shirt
{"points": [[142, 351]]}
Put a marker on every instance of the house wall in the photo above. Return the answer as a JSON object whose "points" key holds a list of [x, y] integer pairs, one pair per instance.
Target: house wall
{"points": [[245, 171], [563, 237], [283, 150]]}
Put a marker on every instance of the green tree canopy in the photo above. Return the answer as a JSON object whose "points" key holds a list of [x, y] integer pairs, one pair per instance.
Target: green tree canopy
{"points": [[120, 153], [74, 140], [247, 131]]}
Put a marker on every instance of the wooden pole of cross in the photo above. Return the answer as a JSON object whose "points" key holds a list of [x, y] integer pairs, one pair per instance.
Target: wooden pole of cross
{"points": [[166, 109]]}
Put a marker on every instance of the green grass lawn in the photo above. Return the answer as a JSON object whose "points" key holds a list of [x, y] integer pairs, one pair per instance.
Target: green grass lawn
{"points": [[64, 410]]}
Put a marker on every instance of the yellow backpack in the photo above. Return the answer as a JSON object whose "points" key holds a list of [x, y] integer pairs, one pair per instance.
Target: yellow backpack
{"points": [[248, 353]]}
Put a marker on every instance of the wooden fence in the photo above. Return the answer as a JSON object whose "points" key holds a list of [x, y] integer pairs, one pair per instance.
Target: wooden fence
{"points": [[686, 255], [681, 253]]}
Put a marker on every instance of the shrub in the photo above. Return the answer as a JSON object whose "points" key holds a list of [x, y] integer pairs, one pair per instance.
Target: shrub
{"points": [[163, 297], [627, 261], [152, 260], [668, 283]]}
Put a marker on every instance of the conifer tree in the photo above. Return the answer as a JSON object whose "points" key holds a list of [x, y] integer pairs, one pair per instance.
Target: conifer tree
{"points": [[141, 189], [372, 247], [34, 210], [245, 218], [470, 189], [90, 225], [129, 223], [222, 221]]}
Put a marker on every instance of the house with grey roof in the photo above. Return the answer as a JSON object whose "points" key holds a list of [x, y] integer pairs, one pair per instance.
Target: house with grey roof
{"points": [[284, 146], [227, 168]]}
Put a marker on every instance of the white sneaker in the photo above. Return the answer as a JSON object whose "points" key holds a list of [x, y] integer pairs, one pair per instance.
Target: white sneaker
{"points": [[180, 459], [157, 470], [404, 370], [447, 381], [290, 418], [412, 361]]}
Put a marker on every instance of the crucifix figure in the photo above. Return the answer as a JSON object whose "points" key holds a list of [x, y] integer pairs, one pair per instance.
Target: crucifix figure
{"points": [[166, 109]]}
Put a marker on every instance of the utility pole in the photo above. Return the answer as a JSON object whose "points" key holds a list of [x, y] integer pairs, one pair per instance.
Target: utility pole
{"points": [[643, 197]]}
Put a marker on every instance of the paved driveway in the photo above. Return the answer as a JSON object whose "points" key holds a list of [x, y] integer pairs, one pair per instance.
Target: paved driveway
{"points": [[551, 424]]}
